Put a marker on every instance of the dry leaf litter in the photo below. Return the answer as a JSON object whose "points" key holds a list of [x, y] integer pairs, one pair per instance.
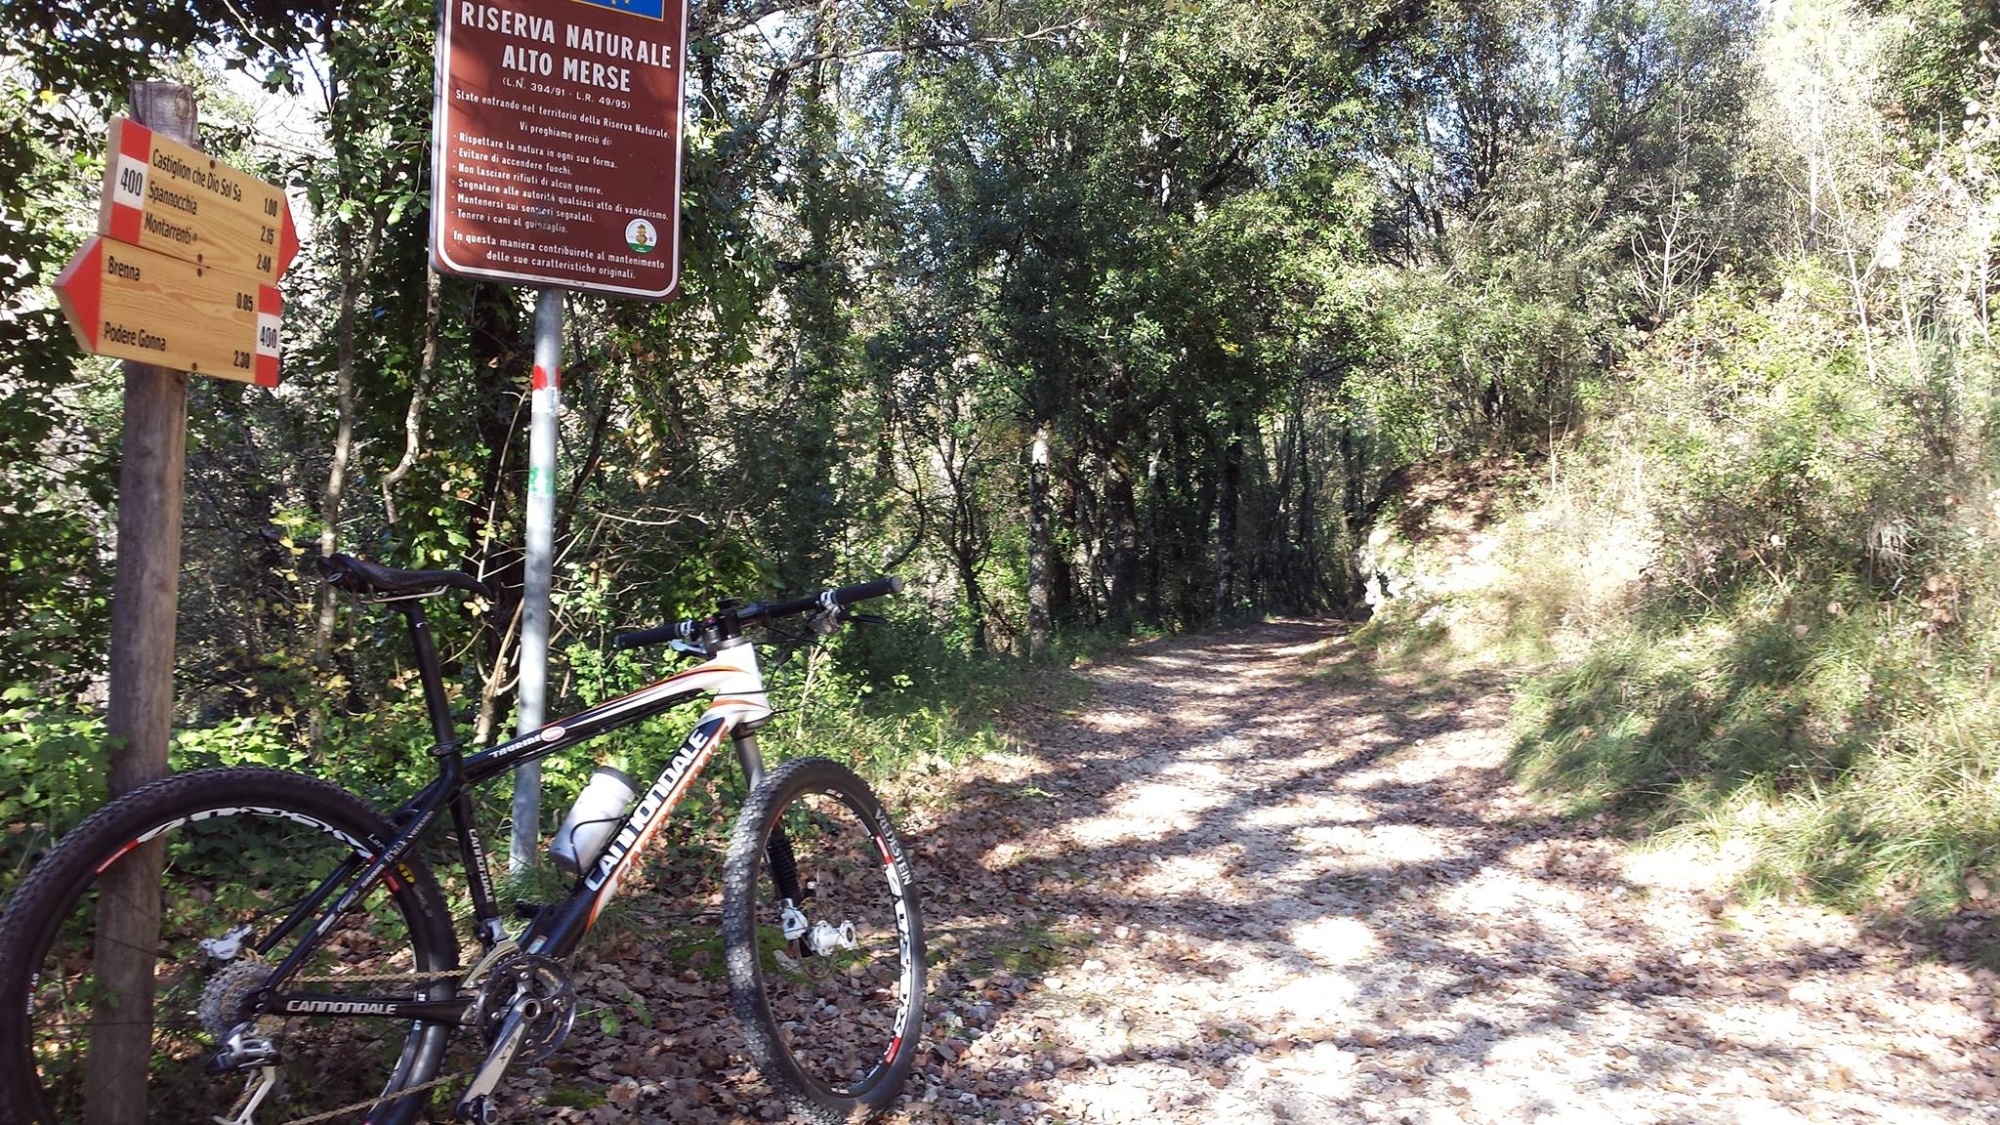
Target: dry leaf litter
{"points": [[1229, 886]]}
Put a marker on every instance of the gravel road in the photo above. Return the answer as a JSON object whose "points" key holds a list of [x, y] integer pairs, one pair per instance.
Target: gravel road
{"points": [[1232, 879]]}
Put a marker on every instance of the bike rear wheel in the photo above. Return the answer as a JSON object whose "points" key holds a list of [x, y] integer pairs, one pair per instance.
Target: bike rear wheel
{"points": [[824, 942], [241, 851]]}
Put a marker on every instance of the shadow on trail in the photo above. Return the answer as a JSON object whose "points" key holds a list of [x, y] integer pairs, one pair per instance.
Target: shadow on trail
{"points": [[1230, 889]]}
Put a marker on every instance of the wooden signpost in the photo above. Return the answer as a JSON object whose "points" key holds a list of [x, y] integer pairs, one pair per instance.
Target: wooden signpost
{"points": [[182, 277], [130, 303], [162, 195], [183, 272]]}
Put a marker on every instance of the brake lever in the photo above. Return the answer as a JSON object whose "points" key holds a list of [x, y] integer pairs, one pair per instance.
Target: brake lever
{"points": [[687, 648], [827, 622]]}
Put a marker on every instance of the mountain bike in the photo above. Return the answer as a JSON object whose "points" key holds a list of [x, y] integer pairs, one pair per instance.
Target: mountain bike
{"points": [[249, 945]]}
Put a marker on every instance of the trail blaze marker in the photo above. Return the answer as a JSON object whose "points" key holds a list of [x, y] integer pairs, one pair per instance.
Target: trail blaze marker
{"points": [[131, 303], [166, 196], [183, 272], [556, 162]]}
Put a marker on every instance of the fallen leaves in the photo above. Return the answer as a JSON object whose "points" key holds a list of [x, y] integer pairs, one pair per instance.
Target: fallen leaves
{"points": [[1498, 965]]}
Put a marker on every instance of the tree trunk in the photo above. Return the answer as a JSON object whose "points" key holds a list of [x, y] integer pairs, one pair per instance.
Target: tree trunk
{"points": [[1353, 501], [1308, 533], [355, 263], [1038, 546], [498, 365], [966, 544], [1122, 518], [1225, 522], [1155, 545], [413, 415]]}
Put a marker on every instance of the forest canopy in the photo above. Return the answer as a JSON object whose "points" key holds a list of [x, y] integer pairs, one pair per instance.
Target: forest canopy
{"points": [[1086, 316]]}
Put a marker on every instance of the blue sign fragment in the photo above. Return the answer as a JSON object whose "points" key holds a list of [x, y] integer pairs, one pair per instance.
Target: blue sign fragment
{"points": [[651, 9]]}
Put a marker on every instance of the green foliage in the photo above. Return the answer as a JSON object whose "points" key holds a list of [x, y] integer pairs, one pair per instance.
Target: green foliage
{"points": [[51, 776], [881, 701], [1848, 754], [1537, 212], [58, 446], [1781, 455], [1804, 684], [1931, 59]]}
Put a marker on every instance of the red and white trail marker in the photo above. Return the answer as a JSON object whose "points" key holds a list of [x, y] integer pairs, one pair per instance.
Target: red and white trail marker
{"points": [[183, 274], [162, 195], [128, 302]]}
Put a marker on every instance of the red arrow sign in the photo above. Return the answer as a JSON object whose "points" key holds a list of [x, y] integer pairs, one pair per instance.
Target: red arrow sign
{"points": [[166, 196], [131, 303]]}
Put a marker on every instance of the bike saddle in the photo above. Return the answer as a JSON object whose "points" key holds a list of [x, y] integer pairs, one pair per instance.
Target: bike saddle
{"points": [[359, 576]]}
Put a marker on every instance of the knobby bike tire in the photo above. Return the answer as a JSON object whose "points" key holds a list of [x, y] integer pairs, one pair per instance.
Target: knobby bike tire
{"points": [[836, 1032], [237, 846]]}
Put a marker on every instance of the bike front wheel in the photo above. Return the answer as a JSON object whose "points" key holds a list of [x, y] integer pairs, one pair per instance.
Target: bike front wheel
{"points": [[824, 942], [189, 891]]}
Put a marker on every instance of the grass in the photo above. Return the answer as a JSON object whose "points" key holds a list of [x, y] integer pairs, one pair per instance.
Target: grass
{"points": [[1853, 756], [693, 947], [1826, 733], [1031, 950], [1847, 757], [891, 703], [573, 1097]]}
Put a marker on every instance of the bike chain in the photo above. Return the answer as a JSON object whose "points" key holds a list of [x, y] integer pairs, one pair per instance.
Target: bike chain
{"points": [[370, 1103]]}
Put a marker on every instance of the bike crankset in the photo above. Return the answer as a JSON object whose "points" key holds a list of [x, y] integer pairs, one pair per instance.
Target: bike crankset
{"points": [[513, 982]]}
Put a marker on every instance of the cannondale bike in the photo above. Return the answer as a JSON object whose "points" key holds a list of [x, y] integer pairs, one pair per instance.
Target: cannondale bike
{"points": [[250, 945]]}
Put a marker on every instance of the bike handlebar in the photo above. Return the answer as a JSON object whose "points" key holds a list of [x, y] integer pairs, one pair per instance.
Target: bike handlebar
{"points": [[825, 600]]}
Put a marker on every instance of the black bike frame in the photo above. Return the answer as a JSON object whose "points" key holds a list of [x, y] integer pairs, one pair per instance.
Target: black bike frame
{"points": [[731, 675]]}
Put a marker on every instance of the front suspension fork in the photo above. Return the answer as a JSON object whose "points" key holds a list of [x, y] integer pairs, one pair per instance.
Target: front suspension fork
{"points": [[784, 866]]}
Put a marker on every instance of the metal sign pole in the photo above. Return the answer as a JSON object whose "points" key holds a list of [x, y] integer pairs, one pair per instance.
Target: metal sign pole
{"points": [[546, 171], [546, 411]]}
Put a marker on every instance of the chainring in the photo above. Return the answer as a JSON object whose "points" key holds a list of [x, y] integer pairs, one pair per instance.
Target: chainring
{"points": [[527, 976]]}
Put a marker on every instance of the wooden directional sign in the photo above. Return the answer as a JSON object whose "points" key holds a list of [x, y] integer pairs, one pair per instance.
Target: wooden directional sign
{"points": [[132, 303], [162, 195]]}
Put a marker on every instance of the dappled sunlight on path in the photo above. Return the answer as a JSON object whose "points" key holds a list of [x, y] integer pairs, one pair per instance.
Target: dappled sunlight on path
{"points": [[1243, 884], [1251, 880]]}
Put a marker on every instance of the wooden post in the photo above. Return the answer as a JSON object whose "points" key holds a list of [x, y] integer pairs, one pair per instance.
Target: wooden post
{"points": [[145, 595]]}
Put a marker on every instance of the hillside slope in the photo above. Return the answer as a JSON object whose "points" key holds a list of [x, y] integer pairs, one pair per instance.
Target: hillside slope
{"points": [[1811, 733]]}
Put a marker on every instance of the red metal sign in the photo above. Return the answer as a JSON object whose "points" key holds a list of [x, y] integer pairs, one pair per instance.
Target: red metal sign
{"points": [[557, 143]]}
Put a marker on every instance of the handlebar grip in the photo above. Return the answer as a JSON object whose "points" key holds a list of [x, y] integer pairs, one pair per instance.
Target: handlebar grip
{"points": [[656, 635], [861, 592], [838, 596]]}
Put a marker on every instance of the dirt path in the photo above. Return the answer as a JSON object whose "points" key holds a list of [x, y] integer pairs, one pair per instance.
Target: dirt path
{"points": [[1229, 885], [1263, 894]]}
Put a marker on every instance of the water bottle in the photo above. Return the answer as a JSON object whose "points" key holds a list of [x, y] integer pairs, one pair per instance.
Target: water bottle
{"points": [[598, 812]]}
